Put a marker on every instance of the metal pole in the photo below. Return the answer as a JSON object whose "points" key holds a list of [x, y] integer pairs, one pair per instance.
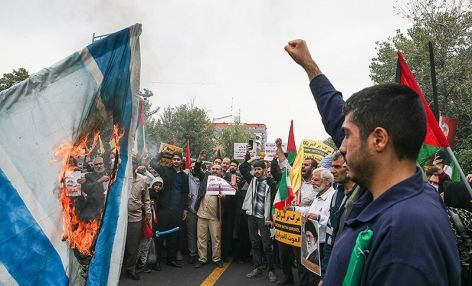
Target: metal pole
{"points": [[464, 179], [398, 72], [433, 81]]}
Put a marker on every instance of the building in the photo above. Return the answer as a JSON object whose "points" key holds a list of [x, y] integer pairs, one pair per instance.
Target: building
{"points": [[258, 131]]}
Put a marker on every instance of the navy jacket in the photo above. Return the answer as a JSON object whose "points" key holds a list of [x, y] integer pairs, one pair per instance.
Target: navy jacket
{"points": [[413, 242]]}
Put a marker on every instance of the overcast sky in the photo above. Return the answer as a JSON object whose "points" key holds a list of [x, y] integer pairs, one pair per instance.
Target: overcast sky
{"points": [[217, 53]]}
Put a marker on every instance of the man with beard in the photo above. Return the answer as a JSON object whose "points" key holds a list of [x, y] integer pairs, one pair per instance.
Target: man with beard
{"points": [[257, 204], [89, 206], [322, 181], [171, 206], [229, 168], [380, 131], [346, 194], [209, 212], [192, 218], [304, 198], [305, 195], [225, 163]]}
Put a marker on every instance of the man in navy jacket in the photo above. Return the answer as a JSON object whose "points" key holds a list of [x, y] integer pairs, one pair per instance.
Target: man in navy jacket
{"points": [[380, 130]]}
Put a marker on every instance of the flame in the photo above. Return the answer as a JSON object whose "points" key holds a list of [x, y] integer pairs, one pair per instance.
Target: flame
{"points": [[80, 235]]}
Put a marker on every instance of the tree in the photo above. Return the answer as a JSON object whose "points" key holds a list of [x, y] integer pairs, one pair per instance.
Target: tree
{"points": [[235, 133], [15, 76], [448, 25], [184, 122]]}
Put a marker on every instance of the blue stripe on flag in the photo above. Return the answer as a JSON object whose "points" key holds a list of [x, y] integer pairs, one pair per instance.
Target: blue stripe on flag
{"points": [[25, 250], [113, 55]]}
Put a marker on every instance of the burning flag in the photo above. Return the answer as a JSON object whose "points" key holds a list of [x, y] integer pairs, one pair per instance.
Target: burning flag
{"points": [[50, 126]]}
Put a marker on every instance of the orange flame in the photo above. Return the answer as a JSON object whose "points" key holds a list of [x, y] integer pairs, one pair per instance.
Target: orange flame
{"points": [[80, 235]]}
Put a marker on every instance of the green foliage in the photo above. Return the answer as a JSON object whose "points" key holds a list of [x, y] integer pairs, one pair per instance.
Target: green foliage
{"points": [[448, 25], [235, 133], [182, 122], [9, 79]]}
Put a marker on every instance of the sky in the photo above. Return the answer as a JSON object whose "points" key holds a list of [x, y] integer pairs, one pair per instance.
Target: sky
{"points": [[226, 57]]}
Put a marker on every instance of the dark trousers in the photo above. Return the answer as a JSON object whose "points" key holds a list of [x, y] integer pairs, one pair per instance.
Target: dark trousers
{"points": [[242, 244], [256, 225], [227, 232], [168, 219], [133, 238], [287, 254], [307, 277], [192, 233]]}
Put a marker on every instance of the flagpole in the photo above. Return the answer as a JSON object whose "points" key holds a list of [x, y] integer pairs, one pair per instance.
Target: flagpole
{"points": [[464, 179]]}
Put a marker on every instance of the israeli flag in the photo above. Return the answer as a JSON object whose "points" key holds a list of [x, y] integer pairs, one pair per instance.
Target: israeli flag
{"points": [[49, 109]]}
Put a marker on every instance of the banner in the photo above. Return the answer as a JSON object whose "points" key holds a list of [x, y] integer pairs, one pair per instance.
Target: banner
{"points": [[240, 151], [48, 122], [271, 150], [310, 250], [288, 227], [316, 150], [217, 185], [168, 151]]}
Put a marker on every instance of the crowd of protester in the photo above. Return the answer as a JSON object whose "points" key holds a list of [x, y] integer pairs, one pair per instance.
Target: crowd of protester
{"points": [[372, 183]]}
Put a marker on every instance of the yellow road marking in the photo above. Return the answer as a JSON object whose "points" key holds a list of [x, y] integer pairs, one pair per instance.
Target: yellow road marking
{"points": [[215, 275]]}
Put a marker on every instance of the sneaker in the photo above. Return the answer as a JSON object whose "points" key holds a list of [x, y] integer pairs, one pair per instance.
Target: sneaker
{"points": [[132, 275], [192, 259], [140, 268], [174, 263], [219, 264], [199, 264], [272, 277], [157, 266], [254, 273]]}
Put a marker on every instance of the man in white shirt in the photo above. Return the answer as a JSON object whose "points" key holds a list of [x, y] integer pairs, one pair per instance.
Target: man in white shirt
{"points": [[305, 194], [322, 180]]}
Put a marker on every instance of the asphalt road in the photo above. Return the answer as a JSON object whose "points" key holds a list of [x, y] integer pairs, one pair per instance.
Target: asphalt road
{"points": [[234, 274]]}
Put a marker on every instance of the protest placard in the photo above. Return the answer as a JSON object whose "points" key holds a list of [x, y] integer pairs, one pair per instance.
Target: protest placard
{"points": [[240, 151], [168, 151], [71, 180], [288, 227], [310, 250], [271, 149], [217, 185]]}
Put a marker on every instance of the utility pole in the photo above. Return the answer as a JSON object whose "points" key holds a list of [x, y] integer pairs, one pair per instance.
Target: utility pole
{"points": [[433, 81]]}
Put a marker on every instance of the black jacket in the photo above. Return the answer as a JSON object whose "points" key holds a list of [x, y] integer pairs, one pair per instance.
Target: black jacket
{"points": [[168, 175]]}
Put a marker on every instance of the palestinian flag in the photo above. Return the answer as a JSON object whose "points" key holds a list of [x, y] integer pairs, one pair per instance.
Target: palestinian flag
{"points": [[434, 139], [284, 196], [291, 147]]}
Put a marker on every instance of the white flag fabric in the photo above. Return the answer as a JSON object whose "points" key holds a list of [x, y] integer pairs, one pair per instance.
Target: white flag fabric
{"points": [[54, 107]]}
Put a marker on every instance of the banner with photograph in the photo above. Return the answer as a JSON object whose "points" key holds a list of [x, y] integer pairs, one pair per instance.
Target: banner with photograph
{"points": [[217, 185], [288, 227], [310, 250], [168, 151]]}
